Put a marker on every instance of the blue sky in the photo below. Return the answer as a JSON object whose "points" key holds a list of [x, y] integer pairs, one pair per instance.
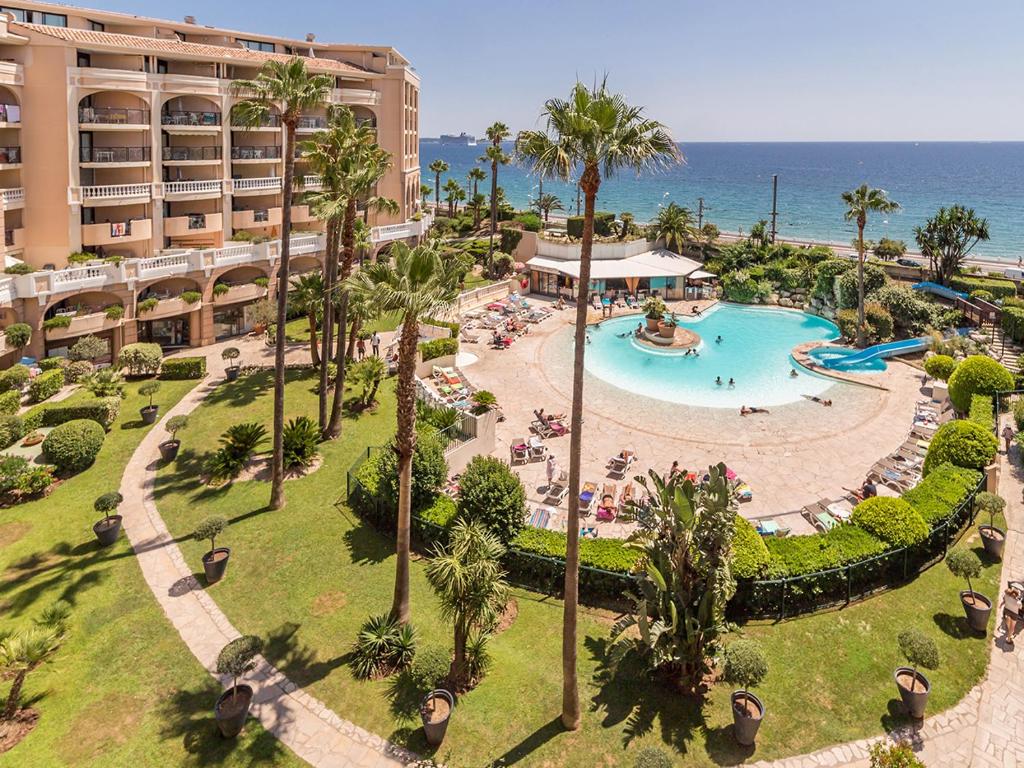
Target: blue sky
{"points": [[733, 70]]}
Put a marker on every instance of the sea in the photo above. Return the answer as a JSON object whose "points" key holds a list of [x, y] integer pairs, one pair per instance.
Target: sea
{"points": [[735, 182]]}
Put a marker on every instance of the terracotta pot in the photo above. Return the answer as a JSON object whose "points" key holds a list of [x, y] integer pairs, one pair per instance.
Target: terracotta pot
{"points": [[652, 323], [666, 330]]}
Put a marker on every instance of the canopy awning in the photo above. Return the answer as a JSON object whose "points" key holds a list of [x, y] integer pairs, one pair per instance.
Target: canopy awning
{"points": [[656, 263], [700, 273]]}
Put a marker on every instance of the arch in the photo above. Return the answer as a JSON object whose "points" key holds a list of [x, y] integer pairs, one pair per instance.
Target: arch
{"points": [[306, 263], [107, 99], [9, 96], [86, 302], [166, 287], [243, 273], [361, 112]]}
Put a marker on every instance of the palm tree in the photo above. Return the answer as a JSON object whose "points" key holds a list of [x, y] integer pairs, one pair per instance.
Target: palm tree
{"points": [[437, 168], [475, 176], [307, 295], [417, 282], [595, 132], [859, 202], [470, 586], [425, 190], [497, 133], [21, 653], [627, 220], [453, 191], [674, 225], [296, 90], [547, 203], [476, 205]]}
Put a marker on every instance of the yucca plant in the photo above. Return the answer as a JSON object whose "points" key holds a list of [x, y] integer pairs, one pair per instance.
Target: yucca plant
{"points": [[383, 646], [301, 437]]}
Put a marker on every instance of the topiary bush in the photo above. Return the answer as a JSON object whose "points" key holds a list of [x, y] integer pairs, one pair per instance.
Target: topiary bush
{"points": [[77, 370], [183, 368], [653, 757], [977, 375], [140, 359], [103, 410], [940, 367], [749, 554], [14, 378], [46, 385], [10, 402], [894, 521], [946, 488], [429, 471], [73, 446], [89, 348], [430, 668], [492, 494], [18, 335], [964, 564], [962, 443], [982, 411], [744, 663], [12, 429]]}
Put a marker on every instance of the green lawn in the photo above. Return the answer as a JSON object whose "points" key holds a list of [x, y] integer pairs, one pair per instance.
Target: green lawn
{"points": [[298, 329], [123, 690], [305, 578]]}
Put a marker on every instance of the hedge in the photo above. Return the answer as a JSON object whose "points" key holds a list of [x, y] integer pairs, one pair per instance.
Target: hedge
{"points": [[103, 410], [750, 556], [50, 363], [894, 521], [183, 368], [940, 367], [46, 385], [802, 555], [945, 489], [10, 402], [73, 446], [602, 224], [435, 348], [537, 556], [510, 238], [15, 377], [140, 358], [963, 443], [12, 428], [977, 375], [1013, 322], [453, 327], [982, 411], [998, 288]]}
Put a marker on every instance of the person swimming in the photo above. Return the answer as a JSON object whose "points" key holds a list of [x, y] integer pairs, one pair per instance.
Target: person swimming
{"points": [[732, 382], [718, 340], [792, 373], [718, 380]]}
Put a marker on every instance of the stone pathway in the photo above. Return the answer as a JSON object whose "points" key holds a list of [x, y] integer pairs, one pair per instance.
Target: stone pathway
{"points": [[307, 726]]}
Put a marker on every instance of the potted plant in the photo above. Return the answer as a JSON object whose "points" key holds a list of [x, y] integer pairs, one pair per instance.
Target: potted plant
{"points": [[920, 651], [169, 448], [654, 311], [215, 562], [965, 564], [229, 355], [436, 711], [746, 665], [232, 707], [993, 539], [107, 529], [149, 412], [667, 328]]}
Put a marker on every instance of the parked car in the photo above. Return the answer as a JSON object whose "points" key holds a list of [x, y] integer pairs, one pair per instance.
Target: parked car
{"points": [[905, 262]]}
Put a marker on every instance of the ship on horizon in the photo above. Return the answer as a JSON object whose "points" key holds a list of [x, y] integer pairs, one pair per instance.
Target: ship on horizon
{"points": [[463, 139]]}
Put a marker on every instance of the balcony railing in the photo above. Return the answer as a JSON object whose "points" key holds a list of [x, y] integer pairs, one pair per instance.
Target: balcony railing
{"points": [[10, 113], [269, 121], [355, 96], [183, 154], [9, 237], [256, 153], [9, 197], [190, 118], [192, 187], [115, 191], [271, 183], [312, 122], [114, 154], [10, 155], [113, 116]]}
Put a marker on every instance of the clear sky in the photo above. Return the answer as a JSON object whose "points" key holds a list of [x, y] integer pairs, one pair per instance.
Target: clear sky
{"points": [[731, 70]]}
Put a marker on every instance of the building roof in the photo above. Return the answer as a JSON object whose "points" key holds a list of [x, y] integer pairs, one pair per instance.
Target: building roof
{"points": [[157, 45], [657, 263]]}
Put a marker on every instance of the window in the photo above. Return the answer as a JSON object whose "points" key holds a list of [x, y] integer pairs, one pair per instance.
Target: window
{"points": [[54, 19], [161, 67], [84, 59], [17, 13], [257, 45], [97, 26]]}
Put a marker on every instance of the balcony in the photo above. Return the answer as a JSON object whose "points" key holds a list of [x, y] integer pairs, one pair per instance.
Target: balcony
{"points": [[191, 155], [91, 157], [91, 323], [237, 293], [8, 293], [111, 194], [301, 213], [116, 232], [169, 307], [69, 280], [269, 123], [10, 157], [14, 240], [257, 185], [113, 119], [170, 265], [300, 244], [238, 254], [310, 182], [261, 217], [311, 124], [199, 189], [358, 96], [193, 224], [10, 116], [188, 122], [265, 154], [11, 199]]}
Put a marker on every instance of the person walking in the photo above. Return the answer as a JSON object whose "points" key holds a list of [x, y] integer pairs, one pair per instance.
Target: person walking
{"points": [[361, 348], [375, 344], [1008, 437]]}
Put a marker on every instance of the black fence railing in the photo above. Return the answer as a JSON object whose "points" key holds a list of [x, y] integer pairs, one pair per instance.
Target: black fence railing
{"points": [[271, 152], [191, 154], [114, 154]]}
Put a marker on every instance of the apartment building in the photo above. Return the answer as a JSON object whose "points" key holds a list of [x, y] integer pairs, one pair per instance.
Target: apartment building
{"points": [[116, 139]]}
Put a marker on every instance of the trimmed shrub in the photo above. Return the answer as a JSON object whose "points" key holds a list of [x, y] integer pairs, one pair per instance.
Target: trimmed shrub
{"points": [[492, 494], [103, 410], [18, 335], [1013, 321], [46, 385], [12, 429], [140, 359], [510, 238], [602, 224], [429, 472], [846, 319], [531, 223], [88, 348], [431, 350], [10, 402], [11, 470], [940, 367], [59, 321], [76, 370], [744, 663], [977, 375], [894, 521], [73, 446], [749, 554], [998, 288], [799, 555], [610, 555], [441, 513], [51, 363], [653, 757], [962, 443], [15, 377], [191, 297], [183, 368], [430, 668], [982, 411], [946, 487]]}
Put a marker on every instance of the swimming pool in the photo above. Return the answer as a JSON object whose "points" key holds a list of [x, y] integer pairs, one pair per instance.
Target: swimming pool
{"points": [[754, 351]]}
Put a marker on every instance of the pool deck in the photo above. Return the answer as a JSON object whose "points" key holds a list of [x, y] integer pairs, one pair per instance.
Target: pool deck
{"points": [[795, 455]]}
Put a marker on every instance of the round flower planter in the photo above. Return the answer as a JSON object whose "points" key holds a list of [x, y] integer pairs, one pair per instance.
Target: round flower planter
{"points": [[231, 710], [666, 330], [107, 530], [149, 414], [169, 450], [993, 539], [215, 563], [977, 609], [914, 701], [652, 324], [747, 713], [436, 711], [231, 373]]}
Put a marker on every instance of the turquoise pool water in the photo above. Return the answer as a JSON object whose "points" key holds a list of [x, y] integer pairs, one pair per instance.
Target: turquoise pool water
{"points": [[833, 357], [754, 351]]}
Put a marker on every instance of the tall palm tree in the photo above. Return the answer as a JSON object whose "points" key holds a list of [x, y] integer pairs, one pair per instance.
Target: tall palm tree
{"points": [[425, 190], [290, 86], [594, 132], [497, 133], [476, 205], [674, 225], [475, 176], [859, 202], [416, 282], [306, 296], [547, 203], [437, 168], [453, 190]]}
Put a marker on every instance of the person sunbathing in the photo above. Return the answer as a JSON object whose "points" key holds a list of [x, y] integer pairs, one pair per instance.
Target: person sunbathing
{"points": [[815, 399], [744, 410]]}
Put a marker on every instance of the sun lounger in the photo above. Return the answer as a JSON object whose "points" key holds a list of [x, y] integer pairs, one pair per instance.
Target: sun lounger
{"points": [[595, 302], [619, 465], [542, 428], [627, 496], [767, 527], [586, 500], [557, 427], [556, 491], [540, 517], [537, 451], [841, 510], [466, 335], [519, 450]]}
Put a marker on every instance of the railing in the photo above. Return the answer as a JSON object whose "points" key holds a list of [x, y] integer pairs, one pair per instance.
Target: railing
{"points": [[7, 290], [232, 254], [267, 182], [158, 265], [186, 187], [12, 196], [312, 123], [113, 116], [312, 182], [269, 121], [391, 232], [191, 153], [64, 277], [355, 96], [109, 191], [113, 154], [10, 113], [270, 152], [304, 243], [190, 118], [10, 155]]}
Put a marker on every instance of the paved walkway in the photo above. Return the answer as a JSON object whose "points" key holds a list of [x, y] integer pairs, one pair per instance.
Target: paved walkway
{"points": [[304, 724]]}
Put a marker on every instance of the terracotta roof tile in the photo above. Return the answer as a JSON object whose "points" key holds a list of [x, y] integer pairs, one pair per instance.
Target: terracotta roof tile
{"points": [[162, 45]]}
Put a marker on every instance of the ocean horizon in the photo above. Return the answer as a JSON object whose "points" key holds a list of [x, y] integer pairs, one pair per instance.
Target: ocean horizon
{"points": [[735, 181]]}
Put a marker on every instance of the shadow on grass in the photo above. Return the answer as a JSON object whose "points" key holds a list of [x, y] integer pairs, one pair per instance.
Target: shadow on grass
{"points": [[134, 424], [954, 626], [721, 746], [297, 660], [404, 696], [530, 744], [366, 546], [896, 717]]}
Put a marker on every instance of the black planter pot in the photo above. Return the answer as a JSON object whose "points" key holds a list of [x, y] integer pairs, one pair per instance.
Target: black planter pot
{"points": [[107, 530], [435, 731], [914, 701], [215, 568], [231, 712], [149, 414], [231, 373], [744, 727], [977, 616], [169, 450], [993, 539]]}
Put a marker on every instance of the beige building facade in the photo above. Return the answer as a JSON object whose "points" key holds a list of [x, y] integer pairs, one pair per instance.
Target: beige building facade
{"points": [[116, 139]]}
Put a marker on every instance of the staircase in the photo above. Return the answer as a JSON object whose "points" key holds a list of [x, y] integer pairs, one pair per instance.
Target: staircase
{"points": [[1003, 349]]}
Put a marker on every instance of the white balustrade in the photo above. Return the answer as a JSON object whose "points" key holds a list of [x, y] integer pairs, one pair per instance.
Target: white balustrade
{"points": [[192, 187], [391, 232], [306, 244], [162, 266], [234, 254], [13, 196], [312, 182], [269, 182], [7, 291], [113, 191]]}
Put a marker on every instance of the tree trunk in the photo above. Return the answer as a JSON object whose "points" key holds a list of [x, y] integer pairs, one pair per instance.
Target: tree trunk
{"points": [[405, 445], [348, 251], [494, 213], [14, 697], [277, 456], [459, 664], [314, 352], [860, 282], [330, 272], [437, 193], [353, 334], [570, 687]]}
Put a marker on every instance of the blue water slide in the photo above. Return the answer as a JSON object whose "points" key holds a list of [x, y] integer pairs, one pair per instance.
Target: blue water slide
{"points": [[890, 349], [939, 290]]}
